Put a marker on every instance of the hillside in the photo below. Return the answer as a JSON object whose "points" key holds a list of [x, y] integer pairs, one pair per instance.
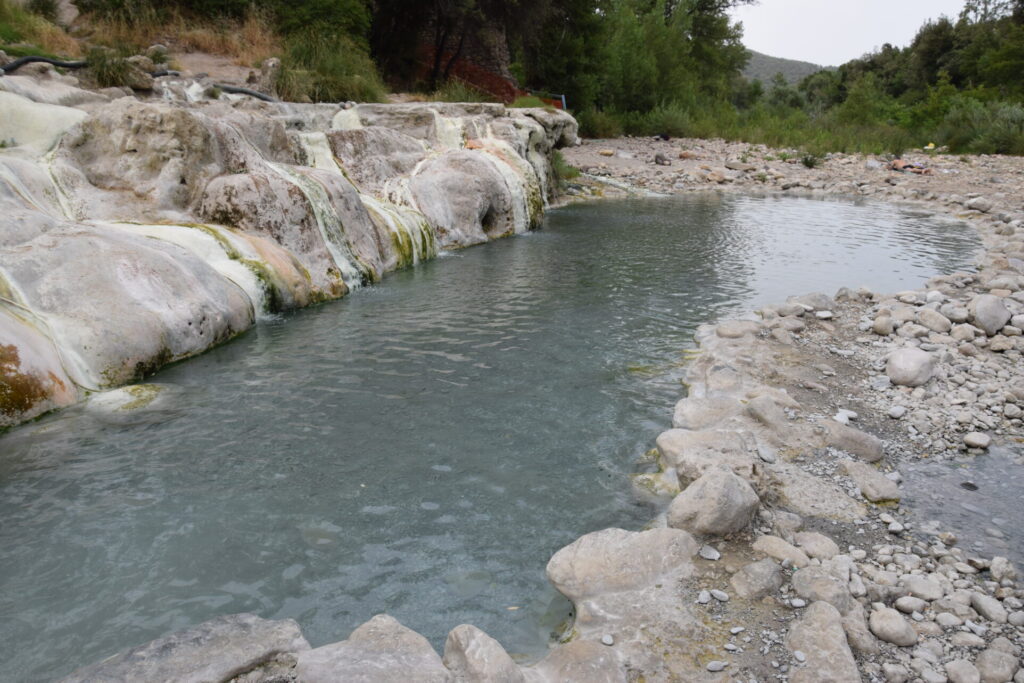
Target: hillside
{"points": [[763, 68]]}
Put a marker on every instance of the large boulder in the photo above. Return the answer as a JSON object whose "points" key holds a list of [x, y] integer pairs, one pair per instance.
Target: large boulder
{"points": [[379, 651], [718, 503], [816, 583], [614, 560], [889, 625], [757, 579], [465, 199], [474, 657], [217, 650], [989, 313], [168, 304], [910, 367], [692, 453], [819, 635]]}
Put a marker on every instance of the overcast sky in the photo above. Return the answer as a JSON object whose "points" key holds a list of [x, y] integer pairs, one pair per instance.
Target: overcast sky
{"points": [[830, 32]]}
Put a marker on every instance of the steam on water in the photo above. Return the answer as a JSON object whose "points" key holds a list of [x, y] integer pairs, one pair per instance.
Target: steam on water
{"points": [[421, 447]]}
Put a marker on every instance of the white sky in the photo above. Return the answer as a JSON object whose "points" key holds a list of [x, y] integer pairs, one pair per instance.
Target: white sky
{"points": [[830, 32]]}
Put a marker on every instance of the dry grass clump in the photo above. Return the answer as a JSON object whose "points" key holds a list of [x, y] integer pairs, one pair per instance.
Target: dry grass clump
{"points": [[19, 26], [249, 41]]}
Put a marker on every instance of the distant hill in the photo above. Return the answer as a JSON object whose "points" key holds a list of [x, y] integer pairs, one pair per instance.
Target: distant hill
{"points": [[763, 68]]}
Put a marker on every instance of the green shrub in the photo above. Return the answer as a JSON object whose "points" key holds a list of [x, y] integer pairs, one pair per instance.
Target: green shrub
{"points": [[47, 9], [457, 91], [109, 68], [320, 67], [528, 102], [595, 123], [563, 170], [810, 160]]}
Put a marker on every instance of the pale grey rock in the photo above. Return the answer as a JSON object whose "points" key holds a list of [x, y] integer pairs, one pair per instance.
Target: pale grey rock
{"points": [[615, 560], [895, 673], [374, 155], [867, 447], [216, 650], [934, 321], [815, 301], [465, 198], [719, 595], [989, 313], [757, 579], [979, 204], [579, 660], [873, 485], [472, 656], [817, 545], [773, 546], [989, 607], [765, 410], [858, 635], [734, 329], [908, 604], [709, 553], [692, 453], [819, 635], [977, 440], [910, 367], [1001, 569], [923, 587], [883, 325], [962, 671], [716, 665], [700, 413], [889, 625], [718, 503], [816, 583], [996, 666], [379, 651]]}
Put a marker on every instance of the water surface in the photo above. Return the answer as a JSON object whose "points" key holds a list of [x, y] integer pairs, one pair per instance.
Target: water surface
{"points": [[421, 447]]}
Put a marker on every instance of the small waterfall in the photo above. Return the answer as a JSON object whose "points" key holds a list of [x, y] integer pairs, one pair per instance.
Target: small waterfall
{"points": [[449, 132], [352, 272], [318, 151], [411, 234]]}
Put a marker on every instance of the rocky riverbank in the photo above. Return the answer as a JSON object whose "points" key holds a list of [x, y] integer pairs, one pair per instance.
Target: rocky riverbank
{"points": [[141, 229], [784, 552]]}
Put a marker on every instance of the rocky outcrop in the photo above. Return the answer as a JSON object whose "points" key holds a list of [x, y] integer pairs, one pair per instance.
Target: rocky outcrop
{"points": [[137, 233]]}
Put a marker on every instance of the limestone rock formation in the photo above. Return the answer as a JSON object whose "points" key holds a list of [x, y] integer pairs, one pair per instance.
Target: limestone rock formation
{"points": [[141, 232]]}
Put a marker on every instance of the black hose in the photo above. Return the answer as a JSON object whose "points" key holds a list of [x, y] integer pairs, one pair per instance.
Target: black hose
{"points": [[22, 61], [233, 89]]}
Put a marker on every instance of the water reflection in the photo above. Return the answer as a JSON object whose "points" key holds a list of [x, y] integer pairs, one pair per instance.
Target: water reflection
{"points": [[421, 447]]}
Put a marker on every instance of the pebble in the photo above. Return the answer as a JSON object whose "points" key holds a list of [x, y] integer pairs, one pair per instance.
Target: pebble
{"points": [[703, 598], [824, 315], [737, 630], [607, 639], [716, 666], [977, 440], [896, 412], [709, 553], [799, 656], [798, 602], [721, 596]]}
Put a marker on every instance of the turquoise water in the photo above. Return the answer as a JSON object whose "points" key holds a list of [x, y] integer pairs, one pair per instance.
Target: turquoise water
{"points": [[421, 447]]}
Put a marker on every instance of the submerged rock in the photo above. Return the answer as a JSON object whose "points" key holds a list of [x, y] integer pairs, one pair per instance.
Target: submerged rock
{"points": [[380, 650], [216, 650]]}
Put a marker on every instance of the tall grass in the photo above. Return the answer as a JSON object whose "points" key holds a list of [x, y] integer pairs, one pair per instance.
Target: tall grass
{"points": [[457, 91], [319, 67]]}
